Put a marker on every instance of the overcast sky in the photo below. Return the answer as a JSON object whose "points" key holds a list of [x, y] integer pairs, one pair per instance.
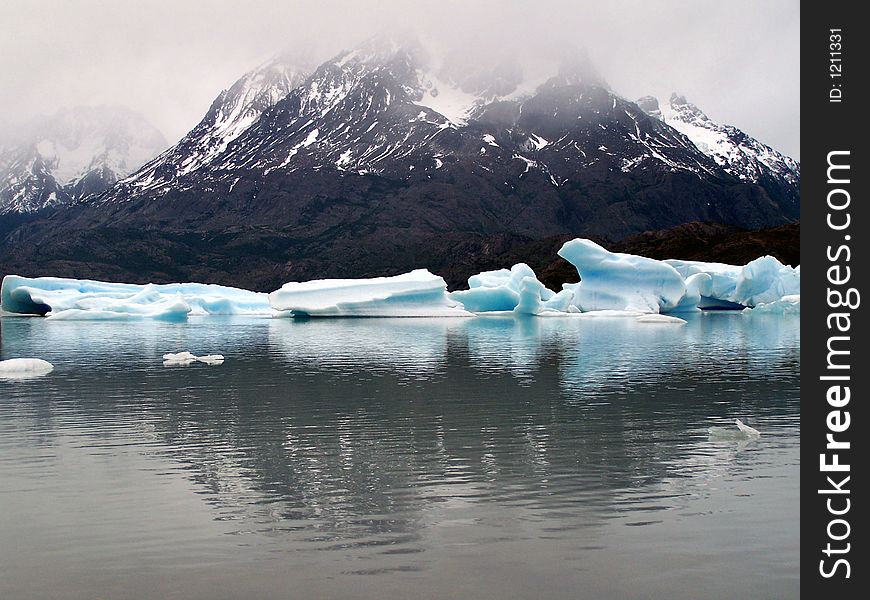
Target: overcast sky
{"points": [[168, 59]]}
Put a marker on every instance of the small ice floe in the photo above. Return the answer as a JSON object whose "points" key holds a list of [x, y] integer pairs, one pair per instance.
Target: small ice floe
{"points": [[660, 319], [181, 359], [211, 359], [746, 429], [743, 432], [24, 368]]}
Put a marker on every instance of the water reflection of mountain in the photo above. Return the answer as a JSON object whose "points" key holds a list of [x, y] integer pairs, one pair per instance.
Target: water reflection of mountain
{"points": [[359, 432]]}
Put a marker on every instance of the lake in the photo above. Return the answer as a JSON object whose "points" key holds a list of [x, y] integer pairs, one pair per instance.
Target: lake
{"points": [[442, 458]]}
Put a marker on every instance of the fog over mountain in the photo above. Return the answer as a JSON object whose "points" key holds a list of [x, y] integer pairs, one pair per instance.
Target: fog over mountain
{"points": [[167, 60]]}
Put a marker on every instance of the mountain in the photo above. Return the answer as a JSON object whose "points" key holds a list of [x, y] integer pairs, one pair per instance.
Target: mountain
{"points": [[384, 159], [234, 110], [74, 153], [736, 152]]}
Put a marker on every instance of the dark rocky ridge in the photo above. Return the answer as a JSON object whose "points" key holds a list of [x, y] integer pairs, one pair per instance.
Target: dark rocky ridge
{"points": [[187, 257]]}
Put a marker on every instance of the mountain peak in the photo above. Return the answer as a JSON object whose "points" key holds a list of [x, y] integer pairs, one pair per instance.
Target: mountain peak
{"points": [[650, 105], [736, 152], [383, 50], [687, 110], [577, 68], [50, 155]]}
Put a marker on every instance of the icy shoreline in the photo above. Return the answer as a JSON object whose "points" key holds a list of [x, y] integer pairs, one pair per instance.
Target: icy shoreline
{"points": [[611, 284]]}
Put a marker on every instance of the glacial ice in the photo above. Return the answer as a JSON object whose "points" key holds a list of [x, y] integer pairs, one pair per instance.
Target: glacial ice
{"points": [[616, 281], [611, 284], [188, 358], [22, 368], [415, 294], [668, 319], [697, 286], [787, 305], [75, 299], [517, 290], [746, 429], [763, 280]]}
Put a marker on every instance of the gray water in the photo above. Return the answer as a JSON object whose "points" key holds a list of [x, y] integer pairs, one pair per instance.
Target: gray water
{"points": [[377, 458]]}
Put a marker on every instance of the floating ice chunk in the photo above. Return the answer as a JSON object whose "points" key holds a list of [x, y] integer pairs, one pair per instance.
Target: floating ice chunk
{"points": [[144, 305], [746, 429], [55, 295], [743, 432], [188, 358], [487, 299], [211, 359], [560, 302], [763, 280], [611, 314], [787, 305], [415, 294], [723, 278], [180, 356], [614, 281], [517, 290], [530, 297], [660, 319], [697, 286], [23, 368]]}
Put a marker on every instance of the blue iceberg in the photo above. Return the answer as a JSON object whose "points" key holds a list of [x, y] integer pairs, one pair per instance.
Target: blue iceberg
{"points": [[415, 294], [614, 281], [517, 290], [81, 299]]}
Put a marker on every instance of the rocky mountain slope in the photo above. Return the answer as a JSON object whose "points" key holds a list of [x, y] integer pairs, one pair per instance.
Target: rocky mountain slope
{"points": [[74, 153], [382, 159]]}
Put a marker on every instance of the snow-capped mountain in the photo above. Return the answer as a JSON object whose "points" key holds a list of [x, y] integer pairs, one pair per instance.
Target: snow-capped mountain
{"points": [[384, 109], [75, 152], [739, 154], [230, 114], [386, 157]]}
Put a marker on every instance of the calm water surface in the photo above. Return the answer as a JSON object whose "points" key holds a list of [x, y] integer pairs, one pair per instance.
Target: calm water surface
{"points": [[442, 458]]}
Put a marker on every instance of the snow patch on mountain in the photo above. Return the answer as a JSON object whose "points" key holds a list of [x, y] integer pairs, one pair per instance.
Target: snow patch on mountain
{"points": [[77, 151], [735, 151]]}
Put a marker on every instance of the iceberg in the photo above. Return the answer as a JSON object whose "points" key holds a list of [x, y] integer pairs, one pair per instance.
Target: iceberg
{"points": [[415, 294], [660, 319], [746, 429], [81, 299], [742, 433], [763, 280], [697, 287], [188, 358], [766, 280], [517, 290], [787, 305], [23, 368], [614, 281]]}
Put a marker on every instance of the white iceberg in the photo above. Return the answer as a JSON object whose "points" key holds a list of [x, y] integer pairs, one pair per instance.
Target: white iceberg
{"points": [[697, 287], [763, 280], [517, 290], [81, 299], [746, 429], [614, 281], [787, 305], [188, 358], [666, 319], [742, 433], [415, 294], [23, 368]]}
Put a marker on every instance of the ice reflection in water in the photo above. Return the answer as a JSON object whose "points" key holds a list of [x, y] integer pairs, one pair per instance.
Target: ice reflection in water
{"points": [[463, 457]]}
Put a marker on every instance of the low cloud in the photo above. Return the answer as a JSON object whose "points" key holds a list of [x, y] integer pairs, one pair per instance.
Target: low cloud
{"points": [[738, 61]]}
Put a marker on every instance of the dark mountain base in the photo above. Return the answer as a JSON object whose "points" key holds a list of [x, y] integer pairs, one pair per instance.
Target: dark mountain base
{"points": [[253, 258]]}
